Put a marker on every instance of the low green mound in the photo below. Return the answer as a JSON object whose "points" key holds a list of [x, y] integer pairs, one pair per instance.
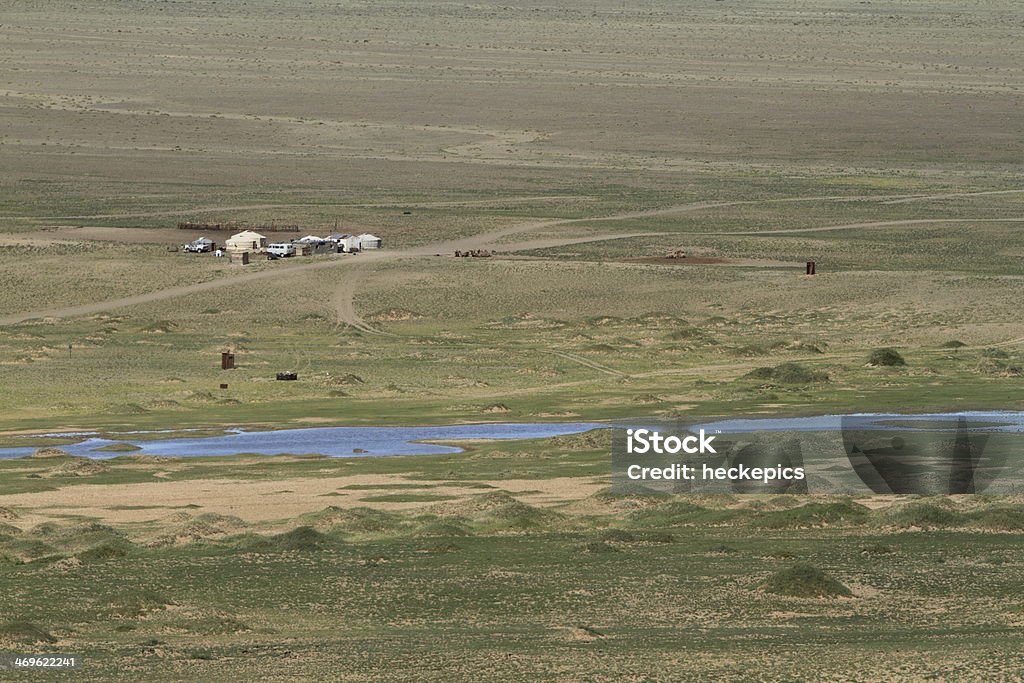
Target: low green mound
{"points": [[496, 511], [998, 519], [159, 326], [359, 521], [442, 547], [50, 452], [684, 333], [9, 530], [208, 524], [77, 467], [346, 380], [678, 513], [885, 358], [303, 539], [24, 632], [616, 536], [805, 581], [812, 515], [632, 493], [919, 515], [105, 551], [216, 625], [598, 547], [137, 603], [595, 439], [26, 550], [430, 525], [788, 373], [954, 344]]}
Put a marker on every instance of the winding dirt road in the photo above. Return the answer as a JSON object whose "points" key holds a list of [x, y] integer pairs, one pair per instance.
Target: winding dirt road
{"points": [[343, 297]]}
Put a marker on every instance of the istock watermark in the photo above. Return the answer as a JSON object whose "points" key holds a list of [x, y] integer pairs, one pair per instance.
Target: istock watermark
{"points": [[640, 441], [926, 454]]}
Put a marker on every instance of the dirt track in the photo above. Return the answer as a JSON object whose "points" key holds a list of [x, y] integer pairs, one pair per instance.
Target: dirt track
{"points": [[487, 240]]}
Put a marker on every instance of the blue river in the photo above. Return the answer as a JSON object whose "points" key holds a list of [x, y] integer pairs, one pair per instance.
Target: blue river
{"points": [[375, 441]]}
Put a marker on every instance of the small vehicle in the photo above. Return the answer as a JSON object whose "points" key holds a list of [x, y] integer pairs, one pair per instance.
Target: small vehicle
{"points": [[281, 249], [199, 246]]}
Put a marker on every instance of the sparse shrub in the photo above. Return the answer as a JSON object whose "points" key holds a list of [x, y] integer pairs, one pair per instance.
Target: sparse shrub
{"points": [[954, 344], [919, 515], [999, 519], [617, 536], [24, 632], [788, 373], [886, 358], [137, 603], [303, 538], [813, 515], [598, 547], [876, 549], [50, 452], [105, 551], [805, 581]]}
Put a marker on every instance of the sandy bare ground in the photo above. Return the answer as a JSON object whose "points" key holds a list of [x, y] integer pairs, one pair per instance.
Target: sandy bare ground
{"points": [[259, 501]]}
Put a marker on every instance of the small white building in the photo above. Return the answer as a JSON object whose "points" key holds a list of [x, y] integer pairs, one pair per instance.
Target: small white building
{"points": [[345, 241], [368, 241], [246, 241], [309, 239]]}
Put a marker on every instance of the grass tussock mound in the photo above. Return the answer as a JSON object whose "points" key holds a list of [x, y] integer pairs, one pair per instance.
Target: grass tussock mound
{"points": [[584, 634], [813, 515], [357, 521], [9, 529], [215, 625], [496, 511], [998, 519], [24, 632], [26, 549], [595, 439], [77, 467], [134, 604], [111, 550], [919, 515], [187, 529], [301, 539], [146, 459], [211, 523], [805, 581], [788, 373], [880, 358], [50, 452], [680, 513]]}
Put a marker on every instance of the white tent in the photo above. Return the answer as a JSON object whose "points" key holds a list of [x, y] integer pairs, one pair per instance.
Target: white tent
{"points": [[247, 240], [368, 241]]}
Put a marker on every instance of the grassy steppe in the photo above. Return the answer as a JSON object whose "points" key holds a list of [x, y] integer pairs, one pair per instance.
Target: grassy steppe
{"points": [[518, 578]]}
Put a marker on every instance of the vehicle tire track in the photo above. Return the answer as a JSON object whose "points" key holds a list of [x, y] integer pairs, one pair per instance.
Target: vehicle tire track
{"points": [[593, 365]]}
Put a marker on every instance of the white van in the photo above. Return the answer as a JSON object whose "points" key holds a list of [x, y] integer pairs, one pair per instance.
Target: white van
{"points": [[281, 249]]}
